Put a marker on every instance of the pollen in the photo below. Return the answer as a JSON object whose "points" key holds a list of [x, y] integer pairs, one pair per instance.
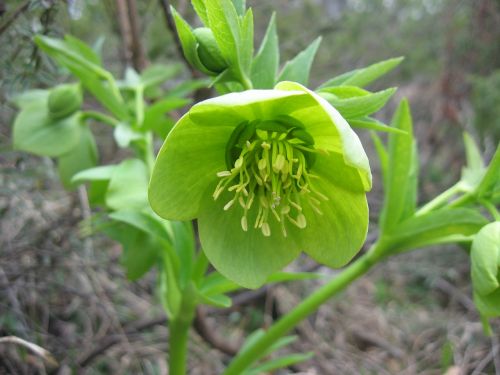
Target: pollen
{"points": [[268, 170]]}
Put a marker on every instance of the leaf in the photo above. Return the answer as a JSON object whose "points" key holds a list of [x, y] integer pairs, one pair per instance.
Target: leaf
{"points": [[94, 78], [281, 362], [281, 276], [383, 157], [363, 77], [155, 116], [346, 92], [359, 106], [146, 222], [265, 64], [400, 162], [140, 251], [170, 292], [155, 75], [128, 186], [201, 11], [373, 124], [442, 226], [474, 171], [218, 300], [485, 259], [29, 97], [184, 245], [34, 131], [491, 180], [298, 69], [124, 135], [240, 6], [101, 173], [82, 157], [246, 48], [82, 49], [224, 23]]}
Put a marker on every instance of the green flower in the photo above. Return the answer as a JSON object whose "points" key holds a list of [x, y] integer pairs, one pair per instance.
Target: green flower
{"points": [[268, 174]]}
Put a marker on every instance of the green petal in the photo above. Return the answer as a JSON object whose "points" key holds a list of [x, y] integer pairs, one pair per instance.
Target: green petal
{"points": [[250, 105], [246, 258], [186, 164], [336, 236], [338, 138]]}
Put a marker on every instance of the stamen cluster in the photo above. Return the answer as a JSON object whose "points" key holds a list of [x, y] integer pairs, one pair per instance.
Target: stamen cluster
{"points": [[268, 165]]}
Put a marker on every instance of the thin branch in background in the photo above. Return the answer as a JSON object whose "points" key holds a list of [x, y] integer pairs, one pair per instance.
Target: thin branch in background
{"points": [[38, 350], [10, 18], [210, 336], [124, 24], [137, 51]]}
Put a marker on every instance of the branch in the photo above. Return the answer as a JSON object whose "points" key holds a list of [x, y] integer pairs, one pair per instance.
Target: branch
{"points": [[38, 350], [10, 18]]}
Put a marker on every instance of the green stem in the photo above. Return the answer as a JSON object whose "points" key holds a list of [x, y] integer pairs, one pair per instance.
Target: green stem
{"points": [[101, 117], [179, 333], [139, 105], [491, 208], [304, 309], [440, 200]]}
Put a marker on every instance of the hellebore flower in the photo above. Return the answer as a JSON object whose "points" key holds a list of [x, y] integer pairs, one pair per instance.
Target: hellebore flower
{"points": [[268, 174]]}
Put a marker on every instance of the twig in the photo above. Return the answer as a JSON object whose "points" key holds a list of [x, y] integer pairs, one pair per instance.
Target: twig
{"points": [[209, 335], [10, 18], [137, 52], [38, 350]]}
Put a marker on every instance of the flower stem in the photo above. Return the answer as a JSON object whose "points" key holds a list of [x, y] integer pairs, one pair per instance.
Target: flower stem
{"points": [[440, 200], [101, 117], [179, 333], [358, 268]]}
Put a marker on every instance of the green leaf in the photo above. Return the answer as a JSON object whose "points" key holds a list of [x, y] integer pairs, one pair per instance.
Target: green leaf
{"points": [[140, 250], [240, 6], [155, 116], [128, 186], [218, 300], [82, 49], [101, 173], [170, 292], [201, 11], [491, 180], [485, 259], [400, 162], [29, 97], [184, 245], [373, 124], [246, 48], [363, 77], [474, 171], [298, 69], [281, 276], [224, 23], [383, 157], [281, 362], [359, 106], [93, 77], [155, 75], [442, 226], [124, 135], [34, 131], [82, 157], [147, 222], [266, 63]]}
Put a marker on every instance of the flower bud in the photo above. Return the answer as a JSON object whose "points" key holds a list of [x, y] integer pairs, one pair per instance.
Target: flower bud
{"points": [[64, 100], [208, 50]]}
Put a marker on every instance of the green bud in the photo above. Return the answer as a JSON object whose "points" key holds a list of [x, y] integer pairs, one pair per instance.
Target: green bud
{"points": [[208, 50], [64, 100]]}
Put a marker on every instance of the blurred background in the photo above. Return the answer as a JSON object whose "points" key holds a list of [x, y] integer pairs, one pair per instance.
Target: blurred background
{"points": [[411, 315]]}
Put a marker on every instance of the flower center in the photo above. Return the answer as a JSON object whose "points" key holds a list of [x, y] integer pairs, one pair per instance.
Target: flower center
{"points": [[268, 165]]}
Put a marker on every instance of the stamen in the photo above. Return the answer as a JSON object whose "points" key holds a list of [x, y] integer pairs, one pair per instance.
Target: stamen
{"points": [[271, 161]]}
